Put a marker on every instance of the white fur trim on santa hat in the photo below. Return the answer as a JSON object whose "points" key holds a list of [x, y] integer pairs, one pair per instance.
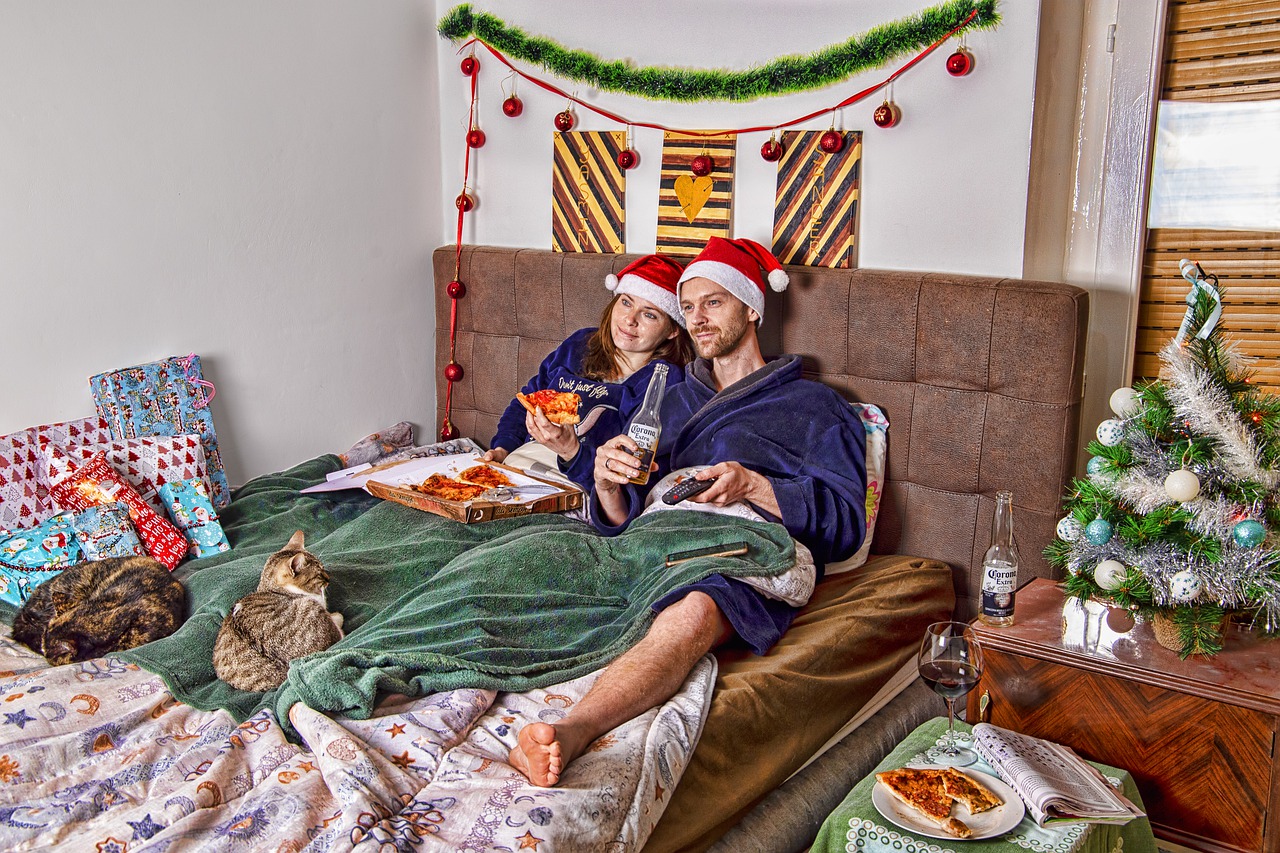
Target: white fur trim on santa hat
{"points": [[728, 277], [645, 289]]}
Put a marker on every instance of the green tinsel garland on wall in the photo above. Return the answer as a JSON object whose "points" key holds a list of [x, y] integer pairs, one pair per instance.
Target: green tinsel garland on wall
{"points": [[779, 77]]}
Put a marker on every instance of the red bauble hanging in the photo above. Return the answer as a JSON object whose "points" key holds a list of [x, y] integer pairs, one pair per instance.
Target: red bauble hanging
{"points": [[564, 120], [464, 202], [453, 371], [960, 63], [702, 165], [475, 137], [512, 107], [628, 158], [456, 289], [469, 65], [448, 432], [771, 151], [832, 141], [887, 115]]}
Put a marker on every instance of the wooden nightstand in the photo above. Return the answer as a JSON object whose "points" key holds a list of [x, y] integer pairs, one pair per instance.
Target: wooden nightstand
{"points": [[1199, 736]]}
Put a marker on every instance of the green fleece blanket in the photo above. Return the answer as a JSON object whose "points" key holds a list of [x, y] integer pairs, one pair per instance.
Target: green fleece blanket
{"points": [[431, 604]]}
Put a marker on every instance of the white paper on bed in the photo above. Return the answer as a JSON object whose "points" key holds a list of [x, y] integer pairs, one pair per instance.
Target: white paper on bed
{"points": [[101, 752]]}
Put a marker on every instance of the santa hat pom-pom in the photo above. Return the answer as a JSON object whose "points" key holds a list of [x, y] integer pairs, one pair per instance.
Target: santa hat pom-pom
{"points": [[611, 282], [778, 280]]}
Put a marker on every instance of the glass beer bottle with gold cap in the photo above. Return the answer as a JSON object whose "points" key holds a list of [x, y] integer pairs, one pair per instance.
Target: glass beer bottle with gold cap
{"points": [[646, 426]]}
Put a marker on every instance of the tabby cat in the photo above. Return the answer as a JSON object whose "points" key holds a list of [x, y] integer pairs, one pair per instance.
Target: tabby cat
{"points": [[286, 618], [99, 607]]}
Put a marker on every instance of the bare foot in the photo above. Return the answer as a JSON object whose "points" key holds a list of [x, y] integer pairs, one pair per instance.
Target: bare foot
{"points": [[537, 754]]}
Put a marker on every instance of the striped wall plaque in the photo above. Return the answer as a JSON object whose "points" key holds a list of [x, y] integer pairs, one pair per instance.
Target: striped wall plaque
{"points": [[588, 191], [815, 215], [693, 209]]}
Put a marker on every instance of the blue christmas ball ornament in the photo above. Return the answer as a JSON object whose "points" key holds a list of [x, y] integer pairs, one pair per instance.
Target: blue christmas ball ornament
{"points": [[1098, 467], [1098, 531], [1249, 533]]}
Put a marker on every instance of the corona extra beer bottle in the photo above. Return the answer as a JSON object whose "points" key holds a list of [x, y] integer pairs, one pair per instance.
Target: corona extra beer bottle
{"points": [[1000, 566], [646, 426]]}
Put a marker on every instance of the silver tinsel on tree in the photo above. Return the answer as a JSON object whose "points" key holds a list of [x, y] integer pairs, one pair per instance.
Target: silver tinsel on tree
{"points": [[1202, 543]]}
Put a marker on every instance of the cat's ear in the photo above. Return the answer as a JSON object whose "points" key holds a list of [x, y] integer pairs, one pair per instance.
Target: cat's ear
{"points": [[295, 541], [296, 564]]}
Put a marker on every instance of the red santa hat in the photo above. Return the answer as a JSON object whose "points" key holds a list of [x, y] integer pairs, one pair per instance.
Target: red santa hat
{"points": [[735, 265], [652, 277]]}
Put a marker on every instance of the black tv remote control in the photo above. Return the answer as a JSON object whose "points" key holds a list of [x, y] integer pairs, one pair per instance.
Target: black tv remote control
{"points": [[686, 489]]}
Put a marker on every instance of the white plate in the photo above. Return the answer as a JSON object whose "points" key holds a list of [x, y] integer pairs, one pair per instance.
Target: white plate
{"points": [[986, 824]]}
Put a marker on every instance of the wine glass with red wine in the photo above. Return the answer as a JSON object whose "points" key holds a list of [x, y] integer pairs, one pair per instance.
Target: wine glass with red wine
{"points": [[950, 661]]}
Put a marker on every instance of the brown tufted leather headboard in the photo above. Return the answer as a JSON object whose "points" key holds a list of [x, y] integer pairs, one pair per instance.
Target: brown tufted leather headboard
{"points": [[981, 379]]}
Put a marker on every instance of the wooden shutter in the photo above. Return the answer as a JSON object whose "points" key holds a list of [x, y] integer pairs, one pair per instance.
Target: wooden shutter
{"points": [[1217, 50]]}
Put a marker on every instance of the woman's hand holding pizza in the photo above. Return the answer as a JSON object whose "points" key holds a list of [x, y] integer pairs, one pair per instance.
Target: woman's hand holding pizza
{"points": [[560, 438]]}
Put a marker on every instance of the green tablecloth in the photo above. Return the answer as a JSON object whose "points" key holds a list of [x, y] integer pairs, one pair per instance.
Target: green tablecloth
{"points": [[856, 827]]}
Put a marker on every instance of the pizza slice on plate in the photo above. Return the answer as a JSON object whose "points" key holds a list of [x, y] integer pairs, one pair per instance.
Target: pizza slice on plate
{"points": [[560, 407], [975, 796], [925, 792]]}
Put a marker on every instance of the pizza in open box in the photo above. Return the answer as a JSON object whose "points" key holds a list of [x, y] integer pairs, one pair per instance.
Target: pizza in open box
{"points": [[560, 407], [448, 489], [485, 475]]}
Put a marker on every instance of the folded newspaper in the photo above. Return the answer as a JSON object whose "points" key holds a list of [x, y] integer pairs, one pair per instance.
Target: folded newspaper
{"points": [[1056, 784]]}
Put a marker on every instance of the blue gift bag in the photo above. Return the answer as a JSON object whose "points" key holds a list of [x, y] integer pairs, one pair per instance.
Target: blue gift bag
{"points": [[166, 397]]}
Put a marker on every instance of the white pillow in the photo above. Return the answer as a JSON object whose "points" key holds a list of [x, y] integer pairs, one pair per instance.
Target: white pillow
{"points": [[877, 427], [531, 453]]}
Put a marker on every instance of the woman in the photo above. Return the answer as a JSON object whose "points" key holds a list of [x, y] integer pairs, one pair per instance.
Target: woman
{"points": [[607, 367]]}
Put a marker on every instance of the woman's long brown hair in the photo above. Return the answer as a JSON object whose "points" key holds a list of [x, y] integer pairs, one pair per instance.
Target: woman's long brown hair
{"points": [[601, 359]]}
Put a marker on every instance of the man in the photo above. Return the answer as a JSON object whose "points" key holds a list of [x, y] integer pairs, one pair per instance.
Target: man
{"points": [[790, 449]]}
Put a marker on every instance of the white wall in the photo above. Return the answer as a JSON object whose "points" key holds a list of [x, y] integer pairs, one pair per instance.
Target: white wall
{"points": [[253, 181], [945, 190]]}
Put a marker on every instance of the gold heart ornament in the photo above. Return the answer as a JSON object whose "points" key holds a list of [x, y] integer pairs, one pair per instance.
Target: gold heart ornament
{"points": [[693, 193]]}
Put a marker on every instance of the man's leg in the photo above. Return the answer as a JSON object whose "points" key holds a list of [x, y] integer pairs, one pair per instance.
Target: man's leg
{"points": [[647, 674]]}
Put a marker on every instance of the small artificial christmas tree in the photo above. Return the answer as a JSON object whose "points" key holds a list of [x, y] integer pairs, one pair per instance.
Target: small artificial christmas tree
{"points": [[1179, 514]]}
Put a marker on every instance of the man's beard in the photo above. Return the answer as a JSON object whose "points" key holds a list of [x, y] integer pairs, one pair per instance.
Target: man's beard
{"points": [[725, 341]]}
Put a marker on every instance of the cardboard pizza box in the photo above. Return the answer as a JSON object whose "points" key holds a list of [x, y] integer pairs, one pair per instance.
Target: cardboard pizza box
{"points": [[527, 495]]}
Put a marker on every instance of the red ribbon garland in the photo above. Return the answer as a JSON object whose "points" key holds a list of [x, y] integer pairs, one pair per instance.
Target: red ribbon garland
{"points": [[447, 431]]}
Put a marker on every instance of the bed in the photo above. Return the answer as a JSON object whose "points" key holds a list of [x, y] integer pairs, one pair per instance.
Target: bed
{"points": [[981, 381]]}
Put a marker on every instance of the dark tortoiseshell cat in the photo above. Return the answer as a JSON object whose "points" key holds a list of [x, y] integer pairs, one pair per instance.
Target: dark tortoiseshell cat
{"points": [[286, 618], [104, 606]]}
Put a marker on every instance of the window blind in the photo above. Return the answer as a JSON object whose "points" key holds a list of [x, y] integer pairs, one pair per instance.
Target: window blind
{"points": [[1217, 50]]}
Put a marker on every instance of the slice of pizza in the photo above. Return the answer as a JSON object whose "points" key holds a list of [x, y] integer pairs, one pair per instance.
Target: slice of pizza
{"points": [[448, 489], [560, 407], [924, 791], [484, 475], [975, 796]]}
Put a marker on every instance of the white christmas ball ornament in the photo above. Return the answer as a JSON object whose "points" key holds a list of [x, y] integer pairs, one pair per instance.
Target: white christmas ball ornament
{"points": [[1184, 587], [1111, 432], [1109, 574], [1182, 486], [1124, 402], [1069, 530]]}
